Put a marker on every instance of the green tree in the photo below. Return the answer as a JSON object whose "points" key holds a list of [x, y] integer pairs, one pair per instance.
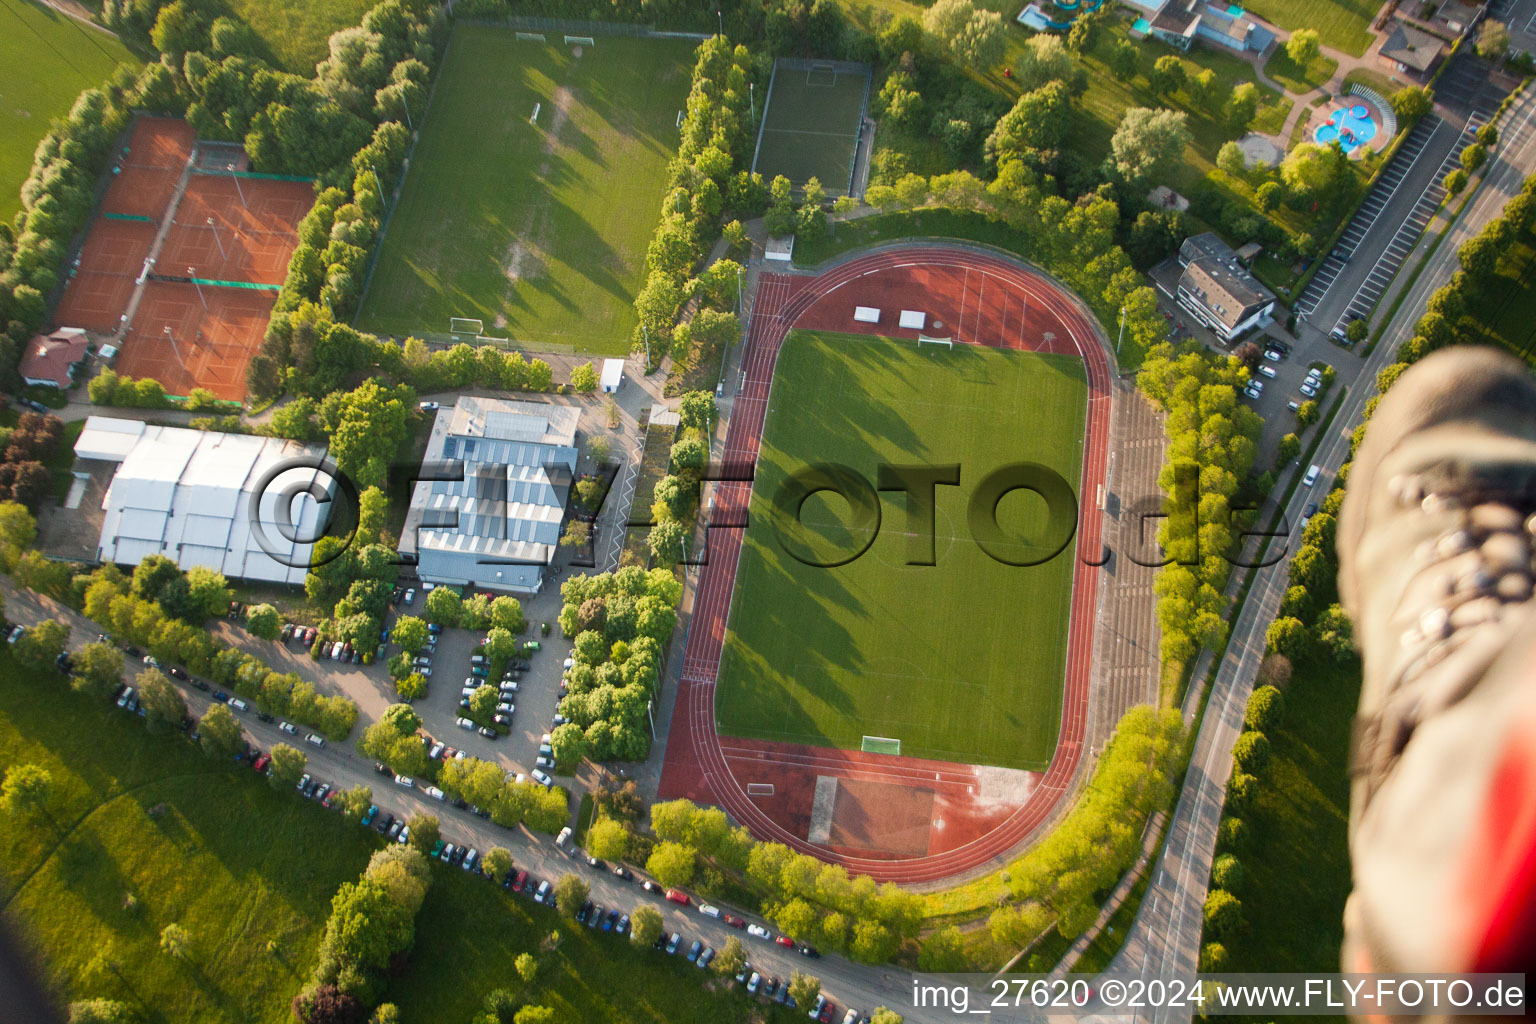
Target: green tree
{"points": [[1473, 157], [482, 703], [1303, 48], [1251, 753], [1268, 196], [163, 705], [1492, 40], [1223, 913], [412, 687], [507, 614], [803, 988], [697, 409], [645, 925], [425, 832], [1411, 102], [608, 839], [1039, 120], [666, 540], [571, 891], [496, 862], [1149, 142], [671, 864], [27, 792], [18, 533], [1230, 159], [263, 621], [39, 647], [1242, 106], [1311, 171], [444, 606], [527, 967], [1456, 182], [1124, 60], [176, 941], [1288, 449], [287, 766], [728, 958], [98, 669], [584, 378], [1289, 637], [973, 37], [534, 1015], [885, 1015], [219, 732], [354, 802], [570, 745], [1167, 75], [410, 633], [1265, 708], [1227, 873]]}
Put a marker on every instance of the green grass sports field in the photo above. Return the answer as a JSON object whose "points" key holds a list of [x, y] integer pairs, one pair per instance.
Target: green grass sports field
{"points": [[961, 660], [539, 230], [46, 59], [811, 126]]}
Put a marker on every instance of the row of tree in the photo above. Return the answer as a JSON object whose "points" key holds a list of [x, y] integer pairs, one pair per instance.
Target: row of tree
{"points": [[1212, 443], [369, 933], [676, 495], [620, 622], [1223, 910], [702, 182], [1063, 878]]}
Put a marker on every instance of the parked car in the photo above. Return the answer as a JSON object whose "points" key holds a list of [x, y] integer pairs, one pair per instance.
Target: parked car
{"points": [[785, 941], [677, 896], [303, 782], [753, 982], [623, 872], [465, 723], [288, 727], [471, 859], [315, 738], [542, 779], [260, 764], [519, 881], [694, 951], [488, 732], [323, 791], [650, 886], [542, 894], [410, 596], [707, 909], [368, 815], [757, 931], [1267, 371], [394, 830], [435, 793], [383, 823], [406, 781], [238, 704], [705, 957], [809, 951]]}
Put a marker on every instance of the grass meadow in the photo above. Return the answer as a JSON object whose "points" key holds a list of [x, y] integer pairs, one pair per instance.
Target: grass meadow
{"points": [[46, 59], [250, 873], [877, 646], [297, 32], [538, 229]]}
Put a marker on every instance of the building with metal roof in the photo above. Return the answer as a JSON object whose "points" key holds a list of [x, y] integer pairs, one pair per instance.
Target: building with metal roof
{"points": [[488, 507], [203, 498]]}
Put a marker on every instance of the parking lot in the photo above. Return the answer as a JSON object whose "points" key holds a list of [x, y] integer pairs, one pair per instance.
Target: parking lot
{"points": [[538, 688]]}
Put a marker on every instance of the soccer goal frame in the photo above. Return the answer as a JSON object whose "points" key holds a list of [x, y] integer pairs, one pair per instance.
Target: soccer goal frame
{"points": [[465, 325], [881, 745], [531, 37], [580, 41], [923, 339]]}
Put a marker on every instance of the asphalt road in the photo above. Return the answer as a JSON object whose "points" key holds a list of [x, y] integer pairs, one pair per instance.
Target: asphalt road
{"points": [[1164, 942], [847, 983]]}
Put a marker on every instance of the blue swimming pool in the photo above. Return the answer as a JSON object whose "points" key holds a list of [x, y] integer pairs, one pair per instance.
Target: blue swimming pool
{"points": [[1351, 126], [1142, 25]]}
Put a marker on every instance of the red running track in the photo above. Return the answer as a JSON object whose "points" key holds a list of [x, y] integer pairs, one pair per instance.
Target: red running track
{"points": [[923, 277]]}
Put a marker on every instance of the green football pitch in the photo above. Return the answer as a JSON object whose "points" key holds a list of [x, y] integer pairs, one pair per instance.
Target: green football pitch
{"points": [[811, 126], [537, 228], [961, 660]]}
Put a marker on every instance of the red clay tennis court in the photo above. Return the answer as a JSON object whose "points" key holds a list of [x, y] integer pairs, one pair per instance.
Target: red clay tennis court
{"points": [[206, 347], [112, 256], [228, 229], [145, 176]]}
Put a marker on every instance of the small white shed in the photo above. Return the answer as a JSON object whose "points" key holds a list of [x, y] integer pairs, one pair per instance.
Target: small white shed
{"points": [[613, 375]]}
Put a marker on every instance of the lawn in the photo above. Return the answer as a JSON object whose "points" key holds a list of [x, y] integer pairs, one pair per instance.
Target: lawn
{"points": [[46, 59], [297, 32], [1342, 24], [1296, 868], [1300, 79], [250, 873], [539, 230], [876, 646]]}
